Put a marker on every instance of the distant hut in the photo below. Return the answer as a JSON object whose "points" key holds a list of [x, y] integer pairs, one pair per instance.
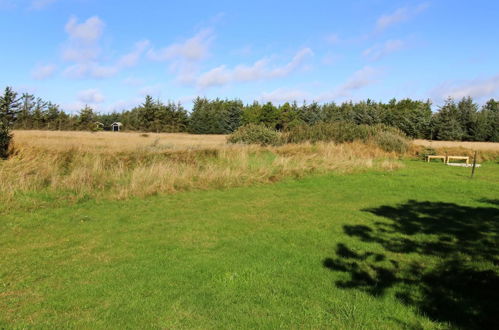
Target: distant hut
{"points": [[116, 126]]}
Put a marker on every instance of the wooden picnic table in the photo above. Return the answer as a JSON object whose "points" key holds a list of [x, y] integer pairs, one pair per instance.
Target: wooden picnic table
{"points": [[436, 157], [466, 158]]}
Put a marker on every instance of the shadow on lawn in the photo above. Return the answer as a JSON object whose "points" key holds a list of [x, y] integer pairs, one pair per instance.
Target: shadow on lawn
{"points": [[442, 258]]}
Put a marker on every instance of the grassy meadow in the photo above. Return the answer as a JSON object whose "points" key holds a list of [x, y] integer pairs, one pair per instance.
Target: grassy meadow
{"points": [[153, 233], [72, 166]]}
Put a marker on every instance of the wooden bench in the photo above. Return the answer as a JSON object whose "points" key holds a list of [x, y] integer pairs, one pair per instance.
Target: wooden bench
{"points": [[436, 157], [466, 158]]}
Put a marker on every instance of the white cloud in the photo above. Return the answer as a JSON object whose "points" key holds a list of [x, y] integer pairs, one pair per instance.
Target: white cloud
{"points": [[381, 50], [91, 96], [96, 70], [243, 51], [359, 79], [330, 58], [90, 69], [333, 38], [260, 70], [398, 16], [83, 49], [73, 107], [43, 71], [88, 31], [7, 4], [83, 43], [131, 59], [40, 4], [281, 95], [482, 88], [192, 49], [184, 57]]}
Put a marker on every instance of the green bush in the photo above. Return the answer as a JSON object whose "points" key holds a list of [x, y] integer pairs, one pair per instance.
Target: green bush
{"points": [[391, 142], [427, 151], [386, 137], [255, 134]]}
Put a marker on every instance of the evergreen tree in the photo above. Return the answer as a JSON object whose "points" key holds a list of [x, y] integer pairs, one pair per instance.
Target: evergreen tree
{"points": [[288, 116], [24, 120], [86, 118], [199, 117], [490, 121], [147, 114], [252, 114], [446, 123], [467, 113], [53, 117], [310, 114], [9, 110], [269, 115], [234, 115], [411, 117]]}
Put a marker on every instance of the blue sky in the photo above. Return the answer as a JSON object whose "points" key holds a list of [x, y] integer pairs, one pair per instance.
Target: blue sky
{"points": [[109, 54]]}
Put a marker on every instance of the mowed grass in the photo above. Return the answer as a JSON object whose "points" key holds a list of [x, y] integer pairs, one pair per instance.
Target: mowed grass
{"points": [[414, 248]]}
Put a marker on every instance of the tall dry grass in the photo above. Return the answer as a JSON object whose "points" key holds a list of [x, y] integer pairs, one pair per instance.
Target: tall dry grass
{"points": [[109, 142], [486, 151], [482, 146], [129, 167]]}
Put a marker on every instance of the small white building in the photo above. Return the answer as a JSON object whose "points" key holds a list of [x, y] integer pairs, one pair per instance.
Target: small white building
{"points": [[116, 126]]}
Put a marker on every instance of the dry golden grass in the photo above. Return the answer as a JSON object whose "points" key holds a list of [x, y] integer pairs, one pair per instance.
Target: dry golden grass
{"points": [[73, 165], [486, 151], [113, 142], [485, 146]]}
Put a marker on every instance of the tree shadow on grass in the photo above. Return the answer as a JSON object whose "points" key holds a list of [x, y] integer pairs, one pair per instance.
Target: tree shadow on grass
{"points": [[442, 258]]}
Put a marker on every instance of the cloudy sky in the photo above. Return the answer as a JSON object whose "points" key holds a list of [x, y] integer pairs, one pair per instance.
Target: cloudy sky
{"points": [[110, 53]]}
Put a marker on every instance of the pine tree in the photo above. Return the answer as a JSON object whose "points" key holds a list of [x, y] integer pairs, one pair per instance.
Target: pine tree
{"points": [[234, 112], [52, 116], [288, 116], [148, 114], [24, 120], [86, 118], [9, 109], [467, 112], [447, 123], [252, 114], [491, 113]]}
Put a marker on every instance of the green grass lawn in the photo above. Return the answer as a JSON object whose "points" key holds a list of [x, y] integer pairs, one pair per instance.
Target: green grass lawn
{"points": [[414, 248]]}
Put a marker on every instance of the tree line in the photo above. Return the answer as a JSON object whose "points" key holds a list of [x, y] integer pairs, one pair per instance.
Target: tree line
{"points": [[461, 120]]}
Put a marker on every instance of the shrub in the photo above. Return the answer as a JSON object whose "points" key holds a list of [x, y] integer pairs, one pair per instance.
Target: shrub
{"points": [[391, 142], [386, 137], [255, 134], [427, 151]]}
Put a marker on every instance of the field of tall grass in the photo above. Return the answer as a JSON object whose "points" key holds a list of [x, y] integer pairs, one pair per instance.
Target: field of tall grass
{"points": [[78, 165], [485, 151], [109, 142], [482, 146]]}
